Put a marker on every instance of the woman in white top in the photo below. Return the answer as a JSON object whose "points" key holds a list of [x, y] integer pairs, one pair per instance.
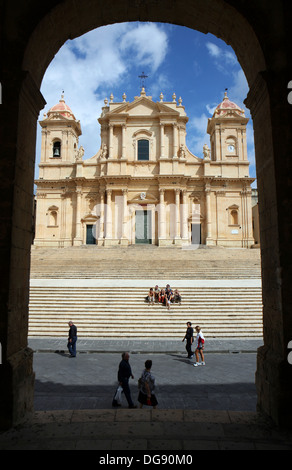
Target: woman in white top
{"points": [[200, 347]]}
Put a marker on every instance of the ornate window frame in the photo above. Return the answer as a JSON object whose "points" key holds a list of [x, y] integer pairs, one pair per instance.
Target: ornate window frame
{"points": [[233, 209], [143, 134], [52, 214]]}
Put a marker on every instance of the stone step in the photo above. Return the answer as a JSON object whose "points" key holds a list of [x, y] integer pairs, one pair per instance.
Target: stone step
{"points": [[104, 312], [145, 262], [230, 333], [103, 291]]}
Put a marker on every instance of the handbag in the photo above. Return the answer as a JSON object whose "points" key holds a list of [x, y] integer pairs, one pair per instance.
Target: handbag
{"points": [[118, 396]]}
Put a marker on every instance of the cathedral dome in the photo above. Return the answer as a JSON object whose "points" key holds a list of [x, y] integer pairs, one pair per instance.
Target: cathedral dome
{"points": [[227, 105], [63, 109]]}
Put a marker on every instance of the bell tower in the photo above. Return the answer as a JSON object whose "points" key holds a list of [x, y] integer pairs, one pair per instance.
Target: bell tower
{"points": [[60, 135], [227, 129]]}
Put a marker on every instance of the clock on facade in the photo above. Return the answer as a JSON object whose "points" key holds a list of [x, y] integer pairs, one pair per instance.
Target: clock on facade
{"points": [[231, 148]]}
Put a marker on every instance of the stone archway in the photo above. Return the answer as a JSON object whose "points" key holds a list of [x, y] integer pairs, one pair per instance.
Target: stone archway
{"points": [[250, 32]]}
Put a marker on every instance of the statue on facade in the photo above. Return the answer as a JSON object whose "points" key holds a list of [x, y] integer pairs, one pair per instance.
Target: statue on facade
{"points": [[182, 152], [206, 152], [80, 153], [104, 151]]}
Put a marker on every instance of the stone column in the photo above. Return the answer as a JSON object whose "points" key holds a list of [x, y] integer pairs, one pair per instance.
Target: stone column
{"points": [[22, 102], [209, 240], [101, 219], [124, 239], [78, 238], [266, 101], [63, 224], [110, 144], [123, 141], [177, 237], [185, 213], [162, 219], [109, 228], [161, 140], [175, 140]]}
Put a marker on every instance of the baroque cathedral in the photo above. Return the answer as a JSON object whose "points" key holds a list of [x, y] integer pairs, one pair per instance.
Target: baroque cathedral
{"points": [[144, 186]]}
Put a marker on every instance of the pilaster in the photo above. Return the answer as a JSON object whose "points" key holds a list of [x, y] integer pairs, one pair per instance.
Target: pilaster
{"points": [[109, 228], [162, 219]]}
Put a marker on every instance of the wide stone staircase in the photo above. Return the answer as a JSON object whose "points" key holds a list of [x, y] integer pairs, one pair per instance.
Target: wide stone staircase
{"points": [[145, 262], [103, 291]]}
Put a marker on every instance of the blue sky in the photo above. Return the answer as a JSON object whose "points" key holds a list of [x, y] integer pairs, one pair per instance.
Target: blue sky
{"points": [[194, 66]]}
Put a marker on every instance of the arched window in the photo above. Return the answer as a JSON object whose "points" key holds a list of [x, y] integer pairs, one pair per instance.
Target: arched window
{"points": [[57, 149], [52, 216], [143, 150], [234, 217]]}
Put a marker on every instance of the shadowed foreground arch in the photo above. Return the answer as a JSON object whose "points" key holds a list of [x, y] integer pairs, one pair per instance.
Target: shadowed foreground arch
{"points": [[32, 35]]}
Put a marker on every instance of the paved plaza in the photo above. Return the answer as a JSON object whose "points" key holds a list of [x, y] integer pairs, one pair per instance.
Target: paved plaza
{"points": [[227, 382]]}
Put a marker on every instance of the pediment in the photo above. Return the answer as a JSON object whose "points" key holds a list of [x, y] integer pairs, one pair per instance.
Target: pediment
{"points": [[90, 218], [143, 106], [57, 117], [144, 198]]}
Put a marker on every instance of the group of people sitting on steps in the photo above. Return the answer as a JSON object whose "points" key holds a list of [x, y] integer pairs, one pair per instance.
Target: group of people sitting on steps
{"points": [[164, 296]]}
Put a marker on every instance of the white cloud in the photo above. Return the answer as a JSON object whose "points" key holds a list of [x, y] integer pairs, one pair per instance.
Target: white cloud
{"points": [[148, 44], [214, 50], [223, 58], [211, 108]]}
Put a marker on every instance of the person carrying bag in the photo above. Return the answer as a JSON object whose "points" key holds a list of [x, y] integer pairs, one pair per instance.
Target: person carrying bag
{"points": [[146, 385], [117, 400]]}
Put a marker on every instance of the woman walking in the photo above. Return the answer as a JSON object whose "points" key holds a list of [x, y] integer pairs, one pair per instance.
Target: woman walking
{"points": [[147, 386]]}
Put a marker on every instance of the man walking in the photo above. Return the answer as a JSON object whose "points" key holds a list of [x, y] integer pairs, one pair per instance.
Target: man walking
{"points": [[124, 373], [189, 336], [72, 339]]}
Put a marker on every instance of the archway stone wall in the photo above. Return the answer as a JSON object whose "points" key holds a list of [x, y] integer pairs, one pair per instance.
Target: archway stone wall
{"points": [[32, 35]]}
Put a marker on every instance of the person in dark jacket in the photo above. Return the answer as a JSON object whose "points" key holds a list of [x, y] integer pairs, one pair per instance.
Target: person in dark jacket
{"points": [[124, 373], [189, 336], [72, 339]]}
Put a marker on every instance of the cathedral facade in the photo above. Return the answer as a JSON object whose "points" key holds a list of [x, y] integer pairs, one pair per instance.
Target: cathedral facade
{"points": [[144, 186]]}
